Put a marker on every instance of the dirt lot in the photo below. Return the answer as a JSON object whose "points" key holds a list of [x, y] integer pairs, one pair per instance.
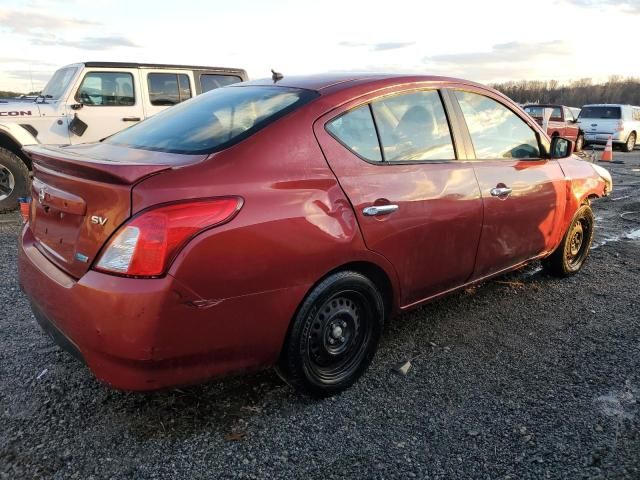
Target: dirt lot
{"points": [[523, 377]]}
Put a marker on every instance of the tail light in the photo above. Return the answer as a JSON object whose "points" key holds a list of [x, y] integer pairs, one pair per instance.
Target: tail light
{"points": [[619, 126], [146, 244]]}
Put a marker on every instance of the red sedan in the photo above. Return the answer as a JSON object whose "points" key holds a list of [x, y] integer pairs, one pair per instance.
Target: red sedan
{"points": [[282, 222]]}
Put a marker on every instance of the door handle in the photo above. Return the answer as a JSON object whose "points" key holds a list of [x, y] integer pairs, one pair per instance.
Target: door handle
{"points": [[500, 191], [379, 210], [131, 119]]}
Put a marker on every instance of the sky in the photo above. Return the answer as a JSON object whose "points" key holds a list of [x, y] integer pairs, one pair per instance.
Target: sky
{"points": [[487, 41]]}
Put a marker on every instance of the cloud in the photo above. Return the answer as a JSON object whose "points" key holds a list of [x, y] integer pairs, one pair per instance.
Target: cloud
{"points": [[36, 76], [503, 61], [377, 47], [29, 22], [86, 43], [505, 52], [628, 6]]}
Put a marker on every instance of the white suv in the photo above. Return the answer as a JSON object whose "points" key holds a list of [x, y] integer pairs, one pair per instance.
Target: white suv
{"points": [[86, 102], [622, 122]]}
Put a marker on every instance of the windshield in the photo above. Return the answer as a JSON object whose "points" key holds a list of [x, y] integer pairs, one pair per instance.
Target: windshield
{"points": [[601, 112], [59, 82], [214, 120]]}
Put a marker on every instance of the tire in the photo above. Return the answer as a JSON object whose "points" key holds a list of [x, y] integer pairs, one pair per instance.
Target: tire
{"points": [[579, 143], [574, 248], [334, 335], [629, 145], [14, 180]]}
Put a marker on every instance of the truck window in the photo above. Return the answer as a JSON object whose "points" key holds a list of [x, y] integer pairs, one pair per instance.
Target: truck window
{"points": [[168, 88], [210, 81], [107, 89]]}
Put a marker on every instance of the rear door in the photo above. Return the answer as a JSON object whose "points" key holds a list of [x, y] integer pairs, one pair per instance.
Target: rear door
{"points": [[523, 193], [416, 204], [109, 101]]}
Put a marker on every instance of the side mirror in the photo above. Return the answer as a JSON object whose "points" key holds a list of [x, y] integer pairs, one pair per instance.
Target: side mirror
{"points": [[561, 147]]}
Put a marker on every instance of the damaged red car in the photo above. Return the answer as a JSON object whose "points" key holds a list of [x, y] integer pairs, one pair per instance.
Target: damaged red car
{"points": [[282, 222]]}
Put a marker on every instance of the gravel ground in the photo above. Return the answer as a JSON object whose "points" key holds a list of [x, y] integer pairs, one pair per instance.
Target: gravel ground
{"points": [[526, 376]]}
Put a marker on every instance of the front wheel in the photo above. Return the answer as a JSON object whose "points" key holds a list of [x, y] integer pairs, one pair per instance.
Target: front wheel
{"points": [[334, 335], [14, 180], [573, 251]]}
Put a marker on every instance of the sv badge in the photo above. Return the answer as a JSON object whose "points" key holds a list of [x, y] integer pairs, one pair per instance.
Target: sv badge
{"points": [[96, 220]]}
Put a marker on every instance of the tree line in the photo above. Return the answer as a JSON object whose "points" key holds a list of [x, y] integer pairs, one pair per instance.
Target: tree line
{"points": [[575, 93]]}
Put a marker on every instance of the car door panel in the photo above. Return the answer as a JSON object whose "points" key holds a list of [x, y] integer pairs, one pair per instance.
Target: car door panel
{"points": [[110, 102], [432, 237], [525, 224], [526, 221]]}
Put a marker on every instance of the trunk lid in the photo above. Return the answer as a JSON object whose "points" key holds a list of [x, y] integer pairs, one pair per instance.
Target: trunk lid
{"points": [[82, 194]]}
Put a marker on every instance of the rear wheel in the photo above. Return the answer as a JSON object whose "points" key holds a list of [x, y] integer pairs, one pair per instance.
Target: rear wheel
{"points": [[573, 251], [334, 335], [579, 142], [631, 142], [14, 180]]}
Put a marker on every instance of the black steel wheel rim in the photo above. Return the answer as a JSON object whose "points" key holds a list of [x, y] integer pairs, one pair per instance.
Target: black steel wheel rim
{"points": [[578, 243], [339, 335]]}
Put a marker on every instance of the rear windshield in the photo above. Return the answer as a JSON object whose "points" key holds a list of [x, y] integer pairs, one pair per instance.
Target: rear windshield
{"points": [[214, 120], [537, 111], [601, 112]]}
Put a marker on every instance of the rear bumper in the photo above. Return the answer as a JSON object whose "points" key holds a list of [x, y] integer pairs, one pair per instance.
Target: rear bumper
{"points": [[602, 138], [146, 334]]}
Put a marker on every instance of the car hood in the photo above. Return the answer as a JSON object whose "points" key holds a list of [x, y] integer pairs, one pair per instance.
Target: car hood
{"points": [[14, 110]]}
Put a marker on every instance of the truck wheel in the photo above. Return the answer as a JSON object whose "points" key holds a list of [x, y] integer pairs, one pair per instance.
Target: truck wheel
{"points": [[334, 335], [573, 251], [631, 142], [14, 180], [579, 143]]}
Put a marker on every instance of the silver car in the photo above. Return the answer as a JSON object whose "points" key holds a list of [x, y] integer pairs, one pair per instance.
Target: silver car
{"points": [[622, 122]]}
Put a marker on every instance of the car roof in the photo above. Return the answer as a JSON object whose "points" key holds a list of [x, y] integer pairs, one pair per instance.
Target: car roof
{"points": [[158, 65], [340, 81]]}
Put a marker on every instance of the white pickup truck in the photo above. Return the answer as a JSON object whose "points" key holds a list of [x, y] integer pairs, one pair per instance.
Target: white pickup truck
{"points": [[86, 102]]}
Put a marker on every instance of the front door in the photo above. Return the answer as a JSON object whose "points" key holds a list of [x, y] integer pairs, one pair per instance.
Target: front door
{"points": [[107, 102], [416, 204], [523, 193]]}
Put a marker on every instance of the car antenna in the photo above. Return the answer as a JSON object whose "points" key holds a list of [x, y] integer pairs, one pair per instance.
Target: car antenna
{"points": [[275, 76]]}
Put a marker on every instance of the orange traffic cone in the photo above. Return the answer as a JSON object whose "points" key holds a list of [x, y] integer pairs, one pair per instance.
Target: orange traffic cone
{"points": [[607, 155]]}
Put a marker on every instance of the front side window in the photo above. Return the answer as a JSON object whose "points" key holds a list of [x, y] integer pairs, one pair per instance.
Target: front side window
{"points": [[356, 131], [211, 81], [214, 120], [496, 132], [568, 115], [107, 89], [168, 88], [413, 127]]}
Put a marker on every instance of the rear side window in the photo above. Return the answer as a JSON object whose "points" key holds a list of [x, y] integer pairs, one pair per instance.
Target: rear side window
{"points": [[106, 89], [601, 112], [213, 121], [356, 131], [210, 81], [636, 114], [496, 132], [168, 88], [413, 127]]}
